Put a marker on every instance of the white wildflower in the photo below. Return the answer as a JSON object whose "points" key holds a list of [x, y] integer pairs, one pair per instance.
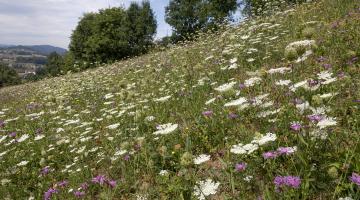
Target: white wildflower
{"points": [[2, 138], [280, 70], [303, 43], [345, 198], [328, 121], [328, 95], [303, 57], [244, 149], [225, 87], [163, 173], [108, 96], [201, 158], [248, 178], [250, 60], [252, 81], [234, 60], [326, 77], [5, 181], [58, 130], [283, 82], [165, 129], [210, 101], [269, 137], [22, 163], [113, 126], [303, 106], [163, 99], [39, 137], [120, 152], [150, 118], [318, 134], [297, 85], [205, 188], [23, 138], [236, 102]]}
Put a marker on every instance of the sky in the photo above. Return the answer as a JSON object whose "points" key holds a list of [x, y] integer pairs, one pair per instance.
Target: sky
{"points": [[37, 22]]}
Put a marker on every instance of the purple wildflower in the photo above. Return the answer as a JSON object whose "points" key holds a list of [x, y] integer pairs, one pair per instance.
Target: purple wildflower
{"points": [[356, 101], [341, 74], [293, 181], [296, 126], [49, 193], [355, 178], [327, 66], [290, 181], [233, 116], [269, 155], [2, 124], [45, 170], [207, 113], [84, 186], [279, 181], [242, 86], [315, 118], [79, 194], [313, 83], [12, 134], [298, 101], [240, 167], [99, 179], [127, 157], [321, 59], [63, 183], [286, 150], [112, 183]]}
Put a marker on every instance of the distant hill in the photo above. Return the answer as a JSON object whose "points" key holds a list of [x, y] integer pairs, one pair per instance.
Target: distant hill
{"points": [[41, 49], [5, 45]]}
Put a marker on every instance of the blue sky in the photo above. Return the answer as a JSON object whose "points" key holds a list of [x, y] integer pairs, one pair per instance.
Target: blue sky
{"points": [[35, 22]]}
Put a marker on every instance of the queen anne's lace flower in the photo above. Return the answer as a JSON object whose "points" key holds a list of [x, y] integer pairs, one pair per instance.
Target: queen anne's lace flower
{"points": [[225, 87], [201, 158], [165, 129], [205, 188]]}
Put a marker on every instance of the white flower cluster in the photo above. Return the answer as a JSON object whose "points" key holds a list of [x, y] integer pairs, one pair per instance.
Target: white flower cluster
{"points": [[253, 145], [205, 188], [165, 129]]}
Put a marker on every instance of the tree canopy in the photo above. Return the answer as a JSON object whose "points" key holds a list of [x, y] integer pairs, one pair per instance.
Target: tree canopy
{"points": [[188, 16], [8, 76], [113, 33]]}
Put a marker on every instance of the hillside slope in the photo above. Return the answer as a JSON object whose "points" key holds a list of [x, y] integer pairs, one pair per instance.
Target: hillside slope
{"points": [[265, 110]]}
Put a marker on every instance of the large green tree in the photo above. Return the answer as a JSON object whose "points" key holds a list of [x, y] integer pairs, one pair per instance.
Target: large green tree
{"points": [[113, 33], [188, 16], [142, 27], [8, 76]]}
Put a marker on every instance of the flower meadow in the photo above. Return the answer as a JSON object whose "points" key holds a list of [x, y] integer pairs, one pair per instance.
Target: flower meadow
{"points": [[268, 109]]}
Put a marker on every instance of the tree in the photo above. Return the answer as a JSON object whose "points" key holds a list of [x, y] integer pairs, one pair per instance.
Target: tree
{"points": [[54, 64], [188, 16], [80, 36], [8, 76], [142, 26], [113, 33]]}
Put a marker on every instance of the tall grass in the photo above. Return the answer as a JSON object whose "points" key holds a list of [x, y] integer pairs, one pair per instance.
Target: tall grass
{"points": [[293, 132]]}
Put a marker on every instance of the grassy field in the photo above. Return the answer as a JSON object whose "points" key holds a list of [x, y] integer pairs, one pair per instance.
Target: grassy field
{"points": [[265, 110]]}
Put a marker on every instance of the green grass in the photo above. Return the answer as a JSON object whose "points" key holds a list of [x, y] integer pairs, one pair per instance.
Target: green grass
{"points": [[73, 113]]}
